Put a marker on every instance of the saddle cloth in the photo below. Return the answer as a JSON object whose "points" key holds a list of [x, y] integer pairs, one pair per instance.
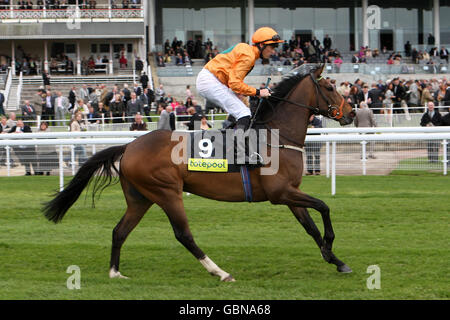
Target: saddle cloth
{"points": [[214, 150]]}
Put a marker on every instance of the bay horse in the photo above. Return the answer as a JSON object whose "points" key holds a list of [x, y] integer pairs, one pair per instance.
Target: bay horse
{"points": [[148, 176]]}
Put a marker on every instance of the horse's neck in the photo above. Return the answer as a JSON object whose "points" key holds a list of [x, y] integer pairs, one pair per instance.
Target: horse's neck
{"points": [[292, 120]]}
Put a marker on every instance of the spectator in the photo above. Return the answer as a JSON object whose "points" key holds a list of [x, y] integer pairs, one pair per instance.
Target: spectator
{"points": [[327, 42], [164, 118], [144, 80], [84, 93], [354, 97], [72, 97], [365, 119], [195, 119], [123, 62], [11, 122], [431, 39], [440, 94], [376, 98], [84, 66], [399, 95], [48, 110], [204, 125], [46, 78], [62, 105], [92, 116], [91, 65], [188, 92], [126, 93], [160, 94], [28, 111], [337, 62], [312, 149], [46, 156], [414, 96], [445, 121], [137, 89], [4, 128], [117, 110], [139, 65], [432, 118], [80, 108], [134, 106], [444, 54], [77, 125], [172, 117], [138, 124], [2, 101], [427, 95], [26, 154]]}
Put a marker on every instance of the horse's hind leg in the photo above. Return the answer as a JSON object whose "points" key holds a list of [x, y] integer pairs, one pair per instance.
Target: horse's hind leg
{"points": [[137, 207], [177, 216]]}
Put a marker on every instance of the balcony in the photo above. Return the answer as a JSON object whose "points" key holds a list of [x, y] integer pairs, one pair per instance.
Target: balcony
{"points": [[102, 13]]}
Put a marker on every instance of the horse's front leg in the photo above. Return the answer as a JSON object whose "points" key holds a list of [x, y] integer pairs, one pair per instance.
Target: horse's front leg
{"points": [[298, 202]]}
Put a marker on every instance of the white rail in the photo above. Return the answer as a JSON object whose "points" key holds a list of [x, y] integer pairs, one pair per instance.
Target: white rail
{"points": [[19, 88], [7, 87], [335, 144]]}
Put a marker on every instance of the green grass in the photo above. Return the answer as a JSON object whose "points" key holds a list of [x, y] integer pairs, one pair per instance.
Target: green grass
{"points": [[398, 222]]}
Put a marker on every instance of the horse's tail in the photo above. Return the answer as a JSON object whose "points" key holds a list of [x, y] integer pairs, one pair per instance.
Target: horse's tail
{"points": [[103, 163]]}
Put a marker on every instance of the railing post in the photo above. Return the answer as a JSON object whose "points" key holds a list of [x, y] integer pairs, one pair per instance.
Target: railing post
{"points": [[8, 160], [72, 158], [363, 156], [327, 158], [333, 168], [61, 169], [445, 155]]}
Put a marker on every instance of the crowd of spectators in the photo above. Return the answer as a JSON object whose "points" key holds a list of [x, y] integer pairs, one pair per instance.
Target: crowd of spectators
{"points": [[399, 95], [296, 52]]}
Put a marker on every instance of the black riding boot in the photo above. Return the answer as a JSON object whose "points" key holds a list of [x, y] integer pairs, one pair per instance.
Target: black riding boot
{"points": [[245, 147]]}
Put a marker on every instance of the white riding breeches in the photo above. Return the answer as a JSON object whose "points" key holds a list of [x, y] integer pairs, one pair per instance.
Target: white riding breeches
{"points": [[209, 87]]}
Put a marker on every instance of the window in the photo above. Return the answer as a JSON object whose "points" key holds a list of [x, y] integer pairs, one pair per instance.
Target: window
{"points": [[94, 48], [70, 48], [104, 48]]}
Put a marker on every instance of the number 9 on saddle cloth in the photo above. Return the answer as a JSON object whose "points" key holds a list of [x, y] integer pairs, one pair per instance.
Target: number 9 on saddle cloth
{"points": [[219, 147]]}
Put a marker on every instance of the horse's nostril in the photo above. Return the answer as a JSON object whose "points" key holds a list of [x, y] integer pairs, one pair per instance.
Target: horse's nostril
{"points": [[352, 114]]}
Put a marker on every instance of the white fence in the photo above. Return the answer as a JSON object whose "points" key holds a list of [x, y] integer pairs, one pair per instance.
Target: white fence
{"points": [[345, 151]]}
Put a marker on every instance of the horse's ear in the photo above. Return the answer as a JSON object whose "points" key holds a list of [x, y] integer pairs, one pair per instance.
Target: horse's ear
{"points": [[319, 70]]}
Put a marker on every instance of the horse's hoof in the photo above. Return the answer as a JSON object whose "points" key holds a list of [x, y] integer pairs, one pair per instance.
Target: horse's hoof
{"points": [[229, 278], [116, 274], [344, 269]]}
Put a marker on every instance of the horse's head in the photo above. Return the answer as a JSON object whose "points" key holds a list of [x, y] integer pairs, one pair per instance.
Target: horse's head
{"points": [[328, 101]]}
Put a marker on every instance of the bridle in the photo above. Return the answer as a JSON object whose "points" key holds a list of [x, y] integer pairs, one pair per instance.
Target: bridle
{"points": [[333, 112]]}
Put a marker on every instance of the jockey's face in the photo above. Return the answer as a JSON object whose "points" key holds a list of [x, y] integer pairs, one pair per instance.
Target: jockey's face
{"points": [[268, 51]]}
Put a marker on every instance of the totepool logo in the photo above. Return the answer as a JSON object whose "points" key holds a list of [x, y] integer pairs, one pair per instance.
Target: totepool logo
{"points": [[213, 165]]}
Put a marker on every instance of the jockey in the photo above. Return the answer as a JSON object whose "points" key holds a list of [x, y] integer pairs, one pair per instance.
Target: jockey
{"points": [[222, 78]]}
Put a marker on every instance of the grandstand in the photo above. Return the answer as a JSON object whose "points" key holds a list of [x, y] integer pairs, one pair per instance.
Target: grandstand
{"points": [[60, 39]]}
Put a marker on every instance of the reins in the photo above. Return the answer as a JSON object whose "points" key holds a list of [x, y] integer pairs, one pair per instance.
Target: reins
{"points": [[333, 112]]}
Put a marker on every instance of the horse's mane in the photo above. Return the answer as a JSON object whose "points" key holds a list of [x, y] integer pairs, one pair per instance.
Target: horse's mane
{"points": [[281, 90]]}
